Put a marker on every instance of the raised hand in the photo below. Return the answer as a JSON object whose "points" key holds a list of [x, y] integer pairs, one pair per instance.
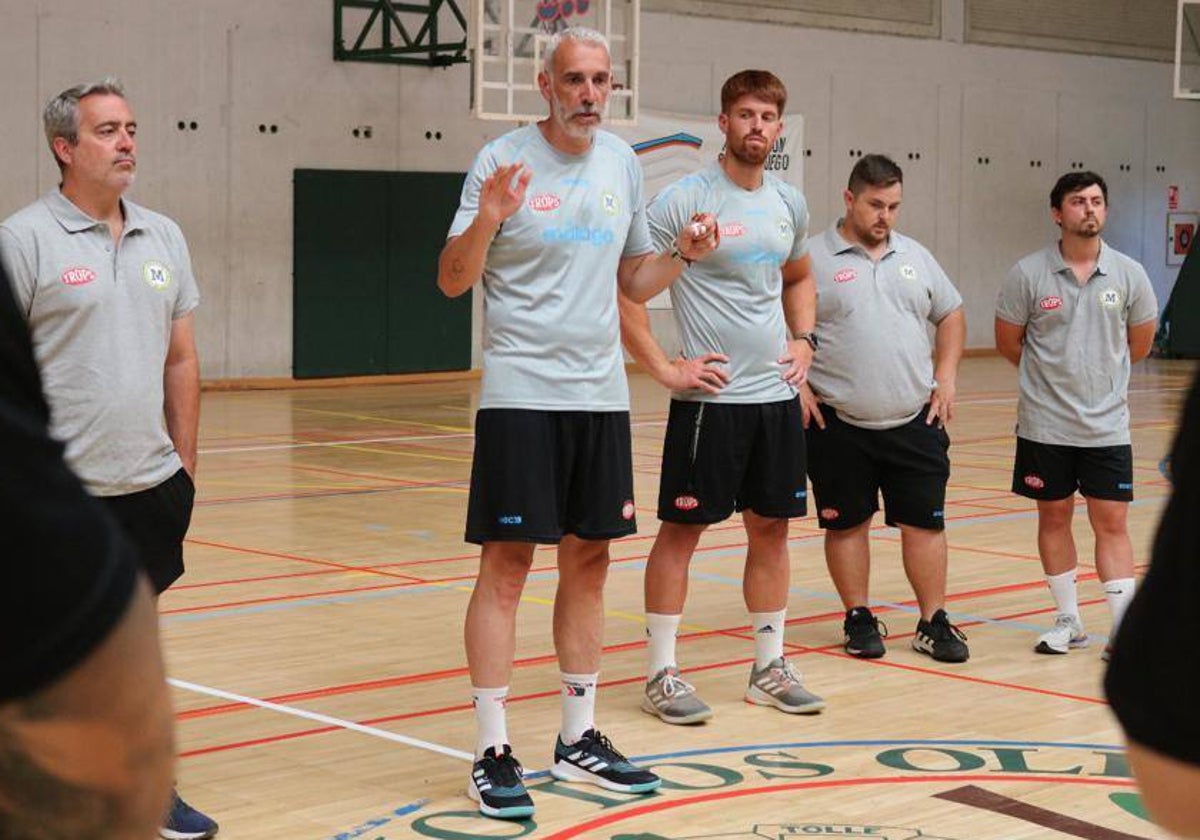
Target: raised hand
{"points": [[699, 237], [503, 193]]}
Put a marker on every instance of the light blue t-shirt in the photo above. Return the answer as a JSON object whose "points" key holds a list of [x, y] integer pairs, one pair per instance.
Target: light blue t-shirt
{"points": [[551, 334], [730, 302]]}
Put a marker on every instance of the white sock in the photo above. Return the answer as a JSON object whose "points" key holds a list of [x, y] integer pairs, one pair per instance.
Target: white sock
{"points": [[661, 631], [491, 720], [578, 705], [1065, 593], [1119, 592], [768, 636]]}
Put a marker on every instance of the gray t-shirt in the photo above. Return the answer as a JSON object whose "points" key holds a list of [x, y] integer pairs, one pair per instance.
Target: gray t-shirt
{"points": [[1074, 371], [100, 318], [730, 302], [875, 362], [551, 335]]}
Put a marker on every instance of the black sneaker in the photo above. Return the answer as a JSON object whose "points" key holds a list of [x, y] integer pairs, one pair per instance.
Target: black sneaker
{"points": [[941, 639], [594, 759], [864, 638], [496, 785]]}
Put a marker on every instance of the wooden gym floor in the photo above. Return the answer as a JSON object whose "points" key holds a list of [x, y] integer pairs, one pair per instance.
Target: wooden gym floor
{"points": [[321, 687]]}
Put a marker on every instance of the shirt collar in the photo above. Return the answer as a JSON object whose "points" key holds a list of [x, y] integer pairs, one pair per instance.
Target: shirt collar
{"points": [[74, 220], [838, 244], [1103, 260]]}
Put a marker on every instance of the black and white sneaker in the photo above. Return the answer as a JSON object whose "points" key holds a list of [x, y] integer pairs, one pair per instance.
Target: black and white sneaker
{"points": [[941, 639], [864, 636], [595, 760], [496, 784]]}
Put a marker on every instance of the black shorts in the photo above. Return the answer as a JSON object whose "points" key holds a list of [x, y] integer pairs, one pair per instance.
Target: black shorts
{"points": [[849, 467], [156, 520], [538, 475], [722, 457], [1051, 471]]}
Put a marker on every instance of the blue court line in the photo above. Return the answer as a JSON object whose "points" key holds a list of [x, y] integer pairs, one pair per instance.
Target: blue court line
{"points": [[701, 555]]}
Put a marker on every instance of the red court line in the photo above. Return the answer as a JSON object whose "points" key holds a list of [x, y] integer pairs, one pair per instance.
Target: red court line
{"points": [[671, 803]]}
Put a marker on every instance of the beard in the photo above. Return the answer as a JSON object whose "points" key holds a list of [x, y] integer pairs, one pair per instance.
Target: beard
{"points": [[563, 115], [747, 154], [1088, 229]]}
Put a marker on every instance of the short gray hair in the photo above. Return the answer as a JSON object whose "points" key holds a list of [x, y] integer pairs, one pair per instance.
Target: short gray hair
{"points": [[61, 115], [579, 34]]}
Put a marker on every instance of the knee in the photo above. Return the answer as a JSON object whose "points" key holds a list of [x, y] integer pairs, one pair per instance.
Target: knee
{"points": [[1056, 516]]}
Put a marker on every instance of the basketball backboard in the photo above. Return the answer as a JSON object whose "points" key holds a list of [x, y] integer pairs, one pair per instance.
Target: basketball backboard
{"points": [[507, 39], [1187, 50]]}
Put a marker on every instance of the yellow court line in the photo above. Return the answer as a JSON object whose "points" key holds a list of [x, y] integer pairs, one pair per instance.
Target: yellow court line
{"points": [[376, 419], [371, 451]]}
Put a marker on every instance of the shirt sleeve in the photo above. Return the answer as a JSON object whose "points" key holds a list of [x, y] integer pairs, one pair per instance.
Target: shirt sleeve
{"points": [[666, 215], [800, 221], [21, 270], [638, 241], [189, 293], [1143, 305], [468, 204], [1012, 301], [944, 298]]}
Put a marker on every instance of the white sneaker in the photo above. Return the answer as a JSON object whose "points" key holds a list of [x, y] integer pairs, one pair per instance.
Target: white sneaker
{"points": [[1067, 633]]}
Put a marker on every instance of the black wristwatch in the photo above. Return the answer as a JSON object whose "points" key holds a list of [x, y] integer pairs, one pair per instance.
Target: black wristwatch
{"points": [[810, 337]]}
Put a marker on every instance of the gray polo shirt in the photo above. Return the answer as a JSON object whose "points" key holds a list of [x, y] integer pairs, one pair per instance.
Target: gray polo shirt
{"points": [[1074, 371], [100, 318], [875, 362], [730, 302], [551, 334]]}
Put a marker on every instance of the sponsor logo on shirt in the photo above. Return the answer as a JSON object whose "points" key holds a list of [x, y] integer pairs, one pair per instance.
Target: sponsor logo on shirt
{"points": [[1050, 302], [686, 502], [611, 205], [733, 229], [545, 202], [830, 514], [578, 233], [156, 275], [1034, 482], [845, 275], [78, 276], [1110, 299], [908, 272], [627, 509]]}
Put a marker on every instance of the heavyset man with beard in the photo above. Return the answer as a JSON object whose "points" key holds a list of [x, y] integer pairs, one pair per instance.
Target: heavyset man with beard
{"points": [[1073, 317], [734, 437], [552, 219]]}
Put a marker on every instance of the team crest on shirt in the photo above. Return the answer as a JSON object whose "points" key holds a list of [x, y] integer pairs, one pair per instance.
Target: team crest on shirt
{"points": [[78, 276], [785, 228], [156, 275], [846, 275], [908, 272], [611, 205], [1110, 299]]}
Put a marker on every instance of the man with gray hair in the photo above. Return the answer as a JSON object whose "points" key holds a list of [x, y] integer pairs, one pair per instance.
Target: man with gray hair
{"points": [[552, 220], [107, 291]]}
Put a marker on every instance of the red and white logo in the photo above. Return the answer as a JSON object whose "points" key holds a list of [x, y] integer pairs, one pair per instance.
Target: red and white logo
{"points": [[845, 275], [77, 276], [733, 229], [1034, 481], [544, 202], [627, 510], [830, 513], [1051, 302], [686, 502]]}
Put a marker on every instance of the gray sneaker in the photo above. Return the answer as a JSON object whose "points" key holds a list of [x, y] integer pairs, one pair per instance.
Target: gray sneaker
{"points": [[673, 699], [779, 685], [1067, 633]]}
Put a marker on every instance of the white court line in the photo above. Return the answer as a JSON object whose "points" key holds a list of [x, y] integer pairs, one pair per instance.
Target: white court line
{"points": [[320, 718]]}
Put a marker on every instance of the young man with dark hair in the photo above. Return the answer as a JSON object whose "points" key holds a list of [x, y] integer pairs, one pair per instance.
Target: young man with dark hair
{"points": [[553, 372], [1073, 317], [734, 439], [876, 406]]}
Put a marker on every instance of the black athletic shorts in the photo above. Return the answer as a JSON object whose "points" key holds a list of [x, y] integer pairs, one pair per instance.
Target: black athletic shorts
{"points": [[538, 475], [156, 520], [1050, 471], [849, 467], [722, 457]]}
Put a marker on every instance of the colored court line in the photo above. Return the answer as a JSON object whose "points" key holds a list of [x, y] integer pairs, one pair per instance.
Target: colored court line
{"points": [[986, 800], [336, 723], [664, 804]]}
